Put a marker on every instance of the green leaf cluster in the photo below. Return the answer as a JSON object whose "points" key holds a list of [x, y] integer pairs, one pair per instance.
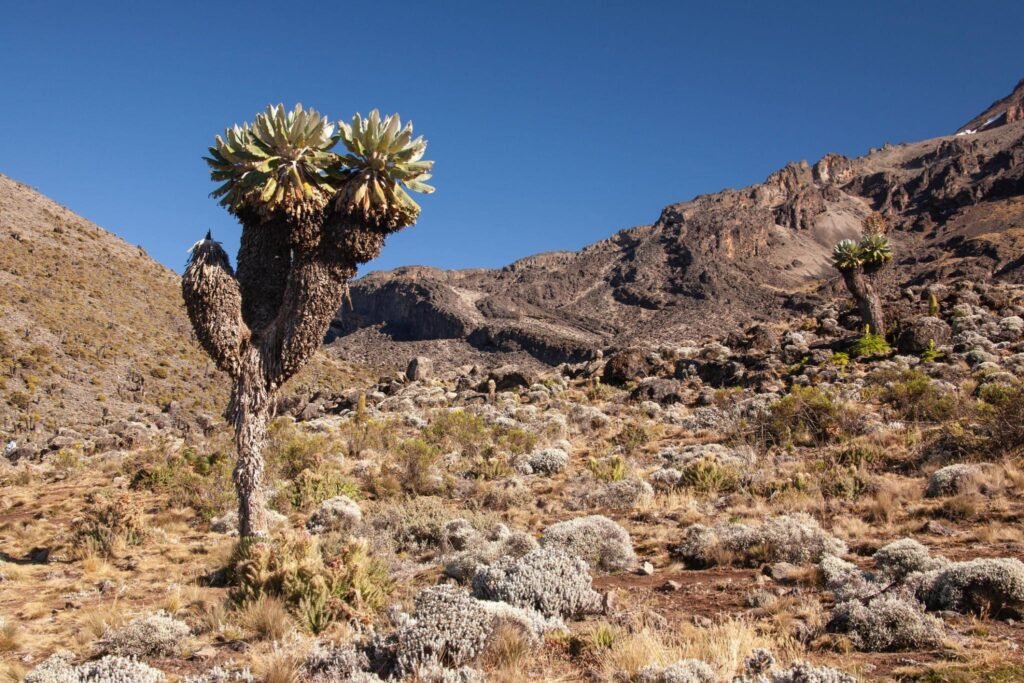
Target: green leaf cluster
{"points": [[871, 252], [286, 160]]}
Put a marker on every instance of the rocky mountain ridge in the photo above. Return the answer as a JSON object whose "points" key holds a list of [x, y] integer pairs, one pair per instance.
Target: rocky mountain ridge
{"points": [[718, 262]]}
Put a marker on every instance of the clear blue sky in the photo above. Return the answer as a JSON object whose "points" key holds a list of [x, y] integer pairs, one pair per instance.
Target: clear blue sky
{"points": [[553, 124]]}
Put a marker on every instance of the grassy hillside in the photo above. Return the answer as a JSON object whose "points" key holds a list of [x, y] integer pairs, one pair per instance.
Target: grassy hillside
{"points": [[92, 330]]}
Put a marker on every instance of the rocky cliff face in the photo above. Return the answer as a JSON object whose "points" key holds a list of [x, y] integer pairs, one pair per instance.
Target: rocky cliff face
{"points": [[720, 261]]}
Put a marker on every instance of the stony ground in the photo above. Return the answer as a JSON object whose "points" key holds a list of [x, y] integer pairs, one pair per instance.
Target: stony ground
{"points": [[671, 514]]}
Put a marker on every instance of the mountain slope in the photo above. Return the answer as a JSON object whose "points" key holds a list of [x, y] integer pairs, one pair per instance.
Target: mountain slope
{"points": [[718, 262], [93, 332]]}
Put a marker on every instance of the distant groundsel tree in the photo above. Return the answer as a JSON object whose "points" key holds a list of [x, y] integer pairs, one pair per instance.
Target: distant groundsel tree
{"points": [[310, 215], [859, 263]]}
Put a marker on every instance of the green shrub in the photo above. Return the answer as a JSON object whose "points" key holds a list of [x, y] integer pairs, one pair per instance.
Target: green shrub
{"points": [[930, 354], [916, 397], [291, 567], [806, 416], [458, 430], [417, 462], [869, 346], [364, 435], [613, 468], [19, 399], [192, 478], [856, 453], [840, 360], [290, 451], [1001, 414], [489, 468], [707, 475], [108, 523], [632, 438], [848, 483], [514, 440], [316, 484]]}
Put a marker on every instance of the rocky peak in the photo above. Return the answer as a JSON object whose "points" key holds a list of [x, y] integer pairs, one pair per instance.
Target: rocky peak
{"points": [[1009, 109]]}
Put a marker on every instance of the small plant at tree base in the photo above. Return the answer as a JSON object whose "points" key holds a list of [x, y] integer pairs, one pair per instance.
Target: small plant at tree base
{"points": [[930, 354], [309, 217], [859, 263], [870, 345], [351, 584]]}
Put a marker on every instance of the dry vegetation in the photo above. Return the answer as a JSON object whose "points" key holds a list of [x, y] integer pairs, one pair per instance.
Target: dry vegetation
{"points": [[762, 518]]}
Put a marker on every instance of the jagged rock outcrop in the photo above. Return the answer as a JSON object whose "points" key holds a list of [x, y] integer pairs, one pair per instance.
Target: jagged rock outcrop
{"points": [[955, 206]]}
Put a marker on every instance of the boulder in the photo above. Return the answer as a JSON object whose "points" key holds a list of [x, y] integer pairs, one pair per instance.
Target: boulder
{"points": [[508, 378], [628, 365], [662, 391], [420, 368], [917, 336]]}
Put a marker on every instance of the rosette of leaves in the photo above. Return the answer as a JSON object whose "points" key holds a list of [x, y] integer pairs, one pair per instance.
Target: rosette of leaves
{"points": [[875, 251], [847, 255], [384, 162], [283, 160]]}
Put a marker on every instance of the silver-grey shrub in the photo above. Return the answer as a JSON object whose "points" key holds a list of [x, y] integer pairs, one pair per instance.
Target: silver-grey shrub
{"points": [[448, 627], [846, 581], [886, 624], [338, 514], [623, 494], [899, 559], [220, 675], [800, 672], [599, 541], [796, 538], [475, 550], [59, 668], [157, 634], [991, 585], [548, 461], [327, 662], [547, 580], [684, 671]]}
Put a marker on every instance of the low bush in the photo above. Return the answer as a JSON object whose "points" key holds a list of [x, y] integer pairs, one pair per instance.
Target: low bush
{"points": [[194, 478], [795, 538], [291, 567], [685, 671], [599, 541], [458, 430], [612, 468], [870, 345], [60, 668], [806, 416], [547, 580], [987, 586], [314, 485], [108, 524], [708, 475], [158, 634], [631, 438], [887, 624], [916, 396]]}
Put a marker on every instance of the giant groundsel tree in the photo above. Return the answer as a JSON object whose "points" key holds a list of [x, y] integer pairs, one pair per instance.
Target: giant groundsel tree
{"points": [[310, 214], [859, 262]]}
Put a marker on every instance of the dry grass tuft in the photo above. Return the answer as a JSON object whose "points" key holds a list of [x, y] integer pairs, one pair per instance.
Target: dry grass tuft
{"points": [[10, 637], [282, 664], [267, 617]]}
